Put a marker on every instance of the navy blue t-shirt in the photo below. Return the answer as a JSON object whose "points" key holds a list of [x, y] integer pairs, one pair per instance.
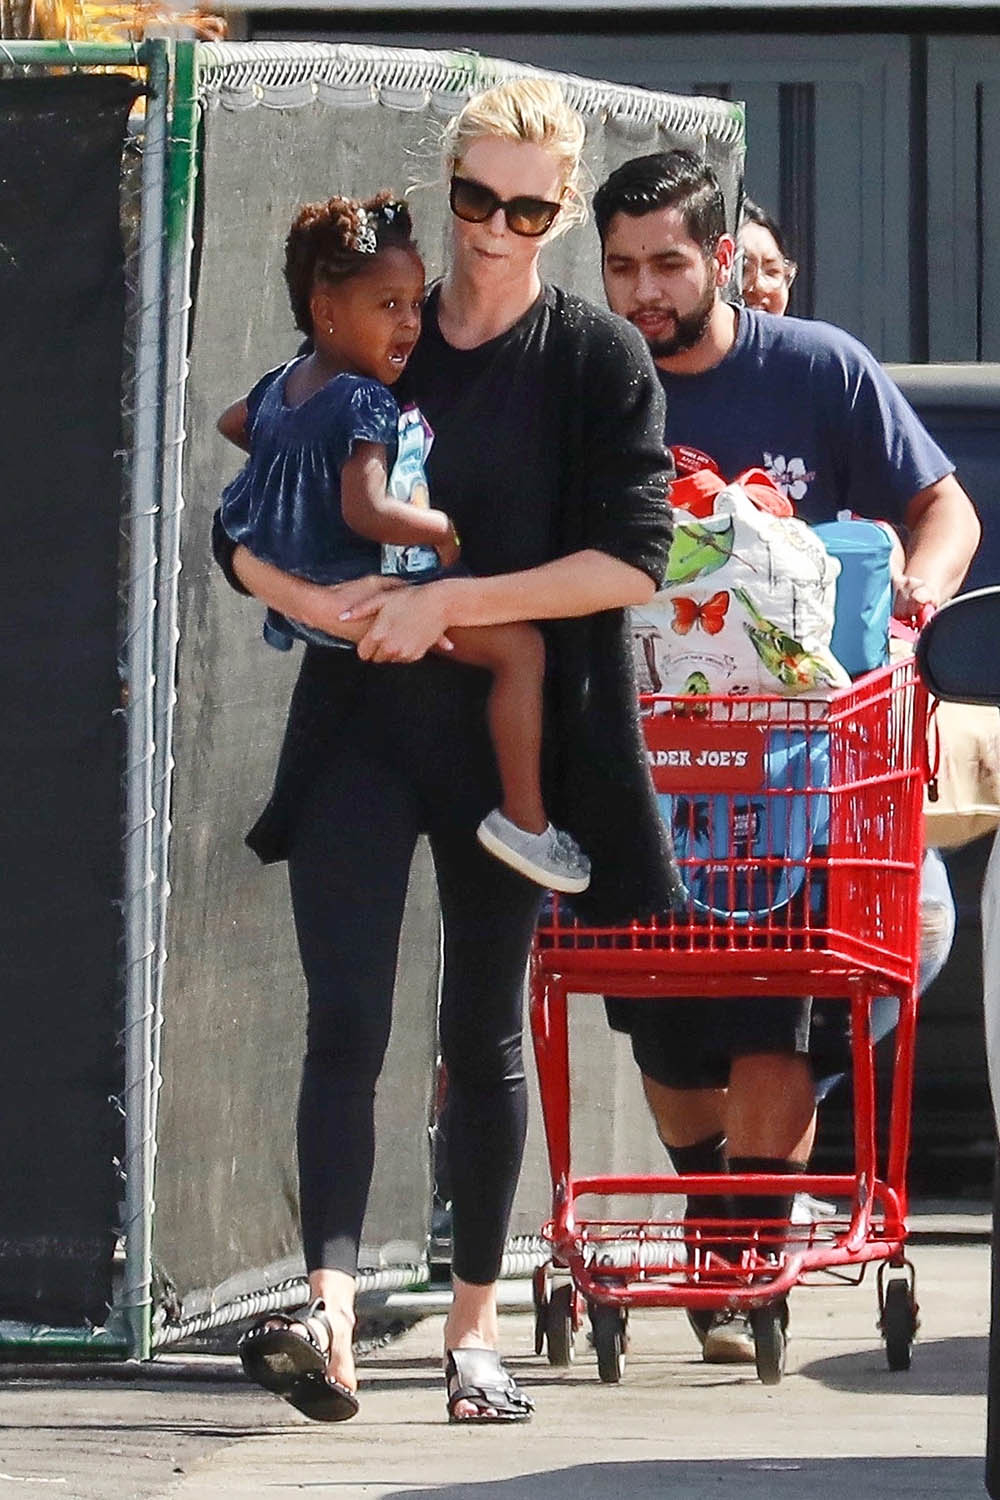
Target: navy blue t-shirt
{"points": [[812, 407]]}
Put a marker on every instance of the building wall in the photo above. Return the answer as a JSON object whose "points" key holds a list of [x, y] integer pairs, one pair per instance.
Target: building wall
{"points": [[877, 151]]}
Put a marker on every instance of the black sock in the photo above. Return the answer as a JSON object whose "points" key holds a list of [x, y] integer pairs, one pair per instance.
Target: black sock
{"points": [[708, 1155], [757, 1207]]}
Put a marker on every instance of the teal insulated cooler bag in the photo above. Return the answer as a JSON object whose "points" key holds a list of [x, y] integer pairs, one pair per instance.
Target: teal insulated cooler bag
{"points": [[864, 592], [744, 855]]}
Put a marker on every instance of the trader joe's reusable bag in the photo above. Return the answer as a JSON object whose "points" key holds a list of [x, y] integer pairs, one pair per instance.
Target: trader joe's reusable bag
{"points": [[747, 607]]}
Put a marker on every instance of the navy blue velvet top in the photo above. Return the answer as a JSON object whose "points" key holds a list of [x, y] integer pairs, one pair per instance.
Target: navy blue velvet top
{"points": [[284, 505]]}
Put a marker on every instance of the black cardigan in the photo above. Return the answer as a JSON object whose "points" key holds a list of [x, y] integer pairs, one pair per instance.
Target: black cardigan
{"points": [[615, 478]]}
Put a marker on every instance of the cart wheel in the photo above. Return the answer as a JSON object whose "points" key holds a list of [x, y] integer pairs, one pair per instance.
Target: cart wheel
{"points": [[540, 1298], [609, 1326], [899, 1323], [769, 1343], [559, 1324]]}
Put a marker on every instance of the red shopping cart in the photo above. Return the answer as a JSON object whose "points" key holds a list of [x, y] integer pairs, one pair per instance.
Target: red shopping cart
{"points": [[798, 831]]}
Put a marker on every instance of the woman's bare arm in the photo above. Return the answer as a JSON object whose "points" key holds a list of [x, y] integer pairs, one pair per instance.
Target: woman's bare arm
{"points": [[581, 584], [317, 604], [322, 606]]}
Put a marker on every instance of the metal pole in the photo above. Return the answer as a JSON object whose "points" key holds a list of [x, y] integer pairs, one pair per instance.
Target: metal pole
{"points": [[76, 54], [181, 174], [138, 901]]}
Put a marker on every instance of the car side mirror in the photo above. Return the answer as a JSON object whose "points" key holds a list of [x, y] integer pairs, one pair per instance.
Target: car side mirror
{"points": [[958, 651]]}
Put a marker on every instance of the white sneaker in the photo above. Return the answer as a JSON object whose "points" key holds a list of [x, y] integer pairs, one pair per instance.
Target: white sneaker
{"points": [[552, 858], [809, 1210]]}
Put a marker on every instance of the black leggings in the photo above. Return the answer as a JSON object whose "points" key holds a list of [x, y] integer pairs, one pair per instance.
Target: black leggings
{"points": [[416, 759]]}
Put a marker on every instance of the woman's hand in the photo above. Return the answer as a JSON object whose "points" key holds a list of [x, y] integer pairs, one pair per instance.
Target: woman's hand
{"points": [[316, 604], [402, 627], [327, 603], [346, 609], [358, 591]]}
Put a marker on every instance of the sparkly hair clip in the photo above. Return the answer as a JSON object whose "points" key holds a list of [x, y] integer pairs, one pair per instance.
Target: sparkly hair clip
{"points": [[390, 212], [364, 239]]}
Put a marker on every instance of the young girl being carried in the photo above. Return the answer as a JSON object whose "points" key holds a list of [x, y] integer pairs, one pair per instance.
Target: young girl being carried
{"points": [[334, 489]]}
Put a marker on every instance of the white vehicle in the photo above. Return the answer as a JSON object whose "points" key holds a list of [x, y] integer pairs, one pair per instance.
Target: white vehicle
{"points": [[957, 657]]}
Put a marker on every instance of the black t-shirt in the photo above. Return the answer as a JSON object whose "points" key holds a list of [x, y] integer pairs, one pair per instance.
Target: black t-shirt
{"points": [[494, 465]]}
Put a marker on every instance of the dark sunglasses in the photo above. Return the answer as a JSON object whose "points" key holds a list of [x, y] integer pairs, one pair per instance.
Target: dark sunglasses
{"points": [[474, 203]]}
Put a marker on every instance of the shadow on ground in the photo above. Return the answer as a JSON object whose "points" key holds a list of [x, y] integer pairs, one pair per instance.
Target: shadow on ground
{"points": [[941, 1367], [750, 1479]]}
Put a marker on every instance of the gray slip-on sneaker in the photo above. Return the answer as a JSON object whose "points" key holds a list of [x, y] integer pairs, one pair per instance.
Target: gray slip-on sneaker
{"points": [[553, 858]]}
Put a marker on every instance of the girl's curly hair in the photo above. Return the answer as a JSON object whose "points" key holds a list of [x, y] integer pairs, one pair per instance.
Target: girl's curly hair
{"points": [[333, 241]]}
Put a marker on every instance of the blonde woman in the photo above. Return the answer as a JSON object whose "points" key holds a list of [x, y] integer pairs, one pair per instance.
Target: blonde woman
{"points": [[549, 457]]}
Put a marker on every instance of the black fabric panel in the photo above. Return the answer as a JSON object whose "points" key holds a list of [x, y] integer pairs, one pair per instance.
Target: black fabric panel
{"points": [[61, 327]]}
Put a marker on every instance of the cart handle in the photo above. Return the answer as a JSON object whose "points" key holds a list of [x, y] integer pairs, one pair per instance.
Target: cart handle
{"points": [[908, 630]]}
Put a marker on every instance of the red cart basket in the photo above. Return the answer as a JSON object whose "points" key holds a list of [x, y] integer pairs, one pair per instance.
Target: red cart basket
{"points": [[798, 829]]}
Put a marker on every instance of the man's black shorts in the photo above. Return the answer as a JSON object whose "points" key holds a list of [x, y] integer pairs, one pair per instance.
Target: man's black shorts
{"points": [[689, 1043]]}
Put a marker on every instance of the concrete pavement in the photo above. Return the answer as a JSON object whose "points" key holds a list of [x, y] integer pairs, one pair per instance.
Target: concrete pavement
{"points": [[839, 1425]]}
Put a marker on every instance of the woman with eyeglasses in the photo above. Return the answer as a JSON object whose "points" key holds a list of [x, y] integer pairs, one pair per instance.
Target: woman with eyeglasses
{"points": [[548, 456], [768, 270]]}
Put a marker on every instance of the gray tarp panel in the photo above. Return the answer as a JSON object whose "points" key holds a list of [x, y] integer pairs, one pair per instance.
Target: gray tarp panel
{"points": [[233, 1002]]}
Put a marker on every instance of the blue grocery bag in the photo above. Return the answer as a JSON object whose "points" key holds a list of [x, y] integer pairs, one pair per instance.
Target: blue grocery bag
{"points": [[864, 592], [721, 838]]}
